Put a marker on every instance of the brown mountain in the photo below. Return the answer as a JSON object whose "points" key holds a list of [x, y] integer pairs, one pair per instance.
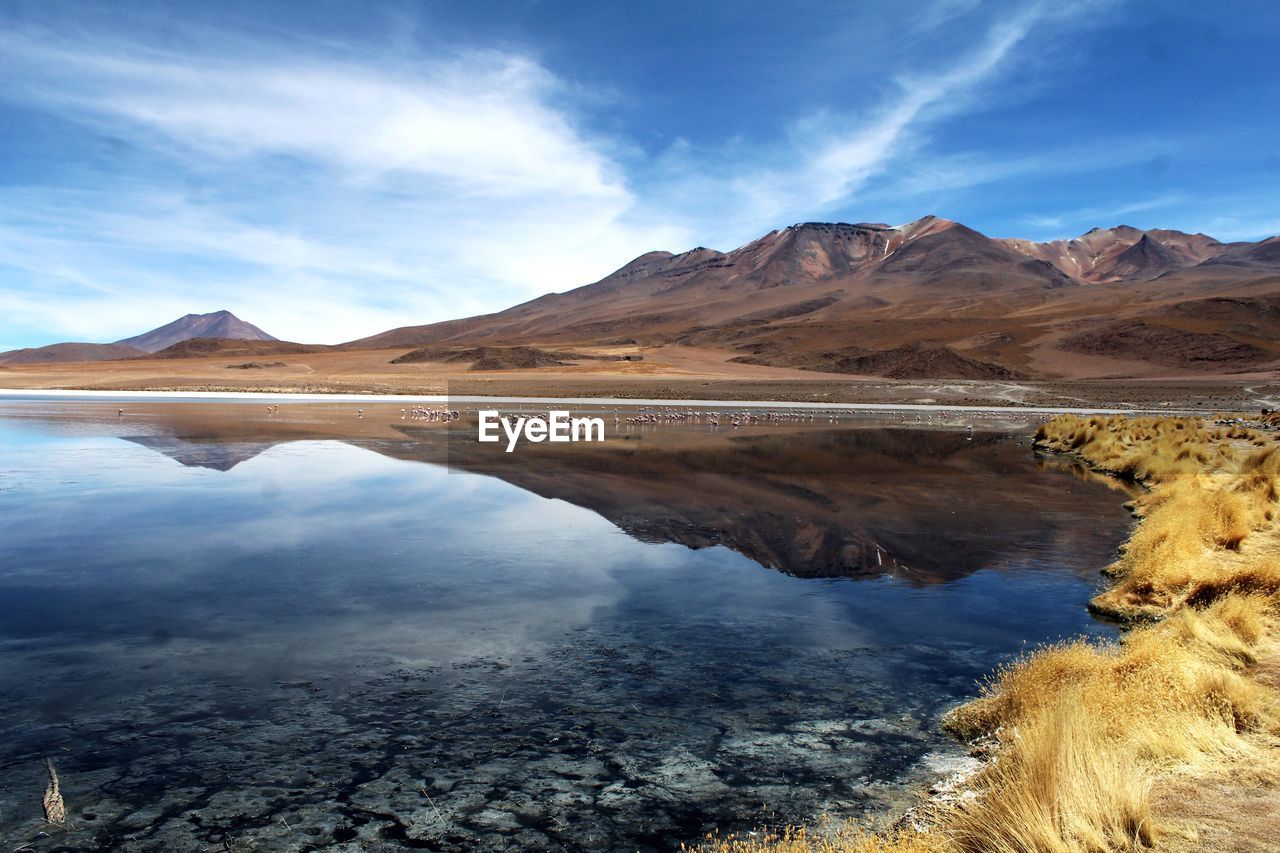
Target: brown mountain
{"points": [[1145, 259], [932, 298], [909, 361], [809, 269], [56, 353], [1121, 253], [1262, 255], [219, 324]]}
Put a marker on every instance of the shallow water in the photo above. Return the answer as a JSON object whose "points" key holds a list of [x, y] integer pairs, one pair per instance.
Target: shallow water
{"points": [[296, 631]]}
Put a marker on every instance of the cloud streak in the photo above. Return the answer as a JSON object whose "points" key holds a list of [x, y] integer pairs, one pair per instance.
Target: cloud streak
{"points": [[480, 121], [832, 158], [393, 194], [327, 195]]}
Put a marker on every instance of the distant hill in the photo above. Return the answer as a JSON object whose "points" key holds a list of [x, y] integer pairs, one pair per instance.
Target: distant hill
{"points": [[219, 324], [69, 352], [205, 347]]}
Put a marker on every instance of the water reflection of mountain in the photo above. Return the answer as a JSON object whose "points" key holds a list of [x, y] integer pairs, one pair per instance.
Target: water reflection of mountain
{"points": [[928, 505], [203, 453]]}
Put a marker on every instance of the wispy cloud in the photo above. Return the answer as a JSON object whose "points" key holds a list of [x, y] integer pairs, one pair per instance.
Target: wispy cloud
{"points": [[1236, 226], [329, 193], [944, 172], [343, 197], [480, 122], [1101, 214], [830, 158]]}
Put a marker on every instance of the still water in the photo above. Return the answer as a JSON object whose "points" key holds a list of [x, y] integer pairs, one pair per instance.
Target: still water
{"points": [[297, 630]]}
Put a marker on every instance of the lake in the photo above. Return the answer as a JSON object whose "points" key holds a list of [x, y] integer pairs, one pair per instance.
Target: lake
{"points": [[304, 628]]}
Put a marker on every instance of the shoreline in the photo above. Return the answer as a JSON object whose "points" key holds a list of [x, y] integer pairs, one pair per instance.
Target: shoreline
{"points": [[1153, 736], [257, 396], [1169, 737], [1214, 624], [664, 375]]}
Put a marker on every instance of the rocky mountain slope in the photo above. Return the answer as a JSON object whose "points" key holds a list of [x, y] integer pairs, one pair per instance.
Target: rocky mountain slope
{"points": [[928, 298]]}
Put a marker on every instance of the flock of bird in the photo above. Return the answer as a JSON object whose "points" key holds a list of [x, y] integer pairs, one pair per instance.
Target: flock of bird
{"points": [[736, 419], [748, 417], [668, 415], [422, 413], [671, 415]]}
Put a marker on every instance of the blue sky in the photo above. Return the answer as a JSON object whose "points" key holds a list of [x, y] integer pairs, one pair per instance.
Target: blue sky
{"points": [[328, 170]]}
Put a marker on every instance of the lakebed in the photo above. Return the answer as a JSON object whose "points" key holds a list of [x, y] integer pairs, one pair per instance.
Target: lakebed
{"points": [[317, 627]]}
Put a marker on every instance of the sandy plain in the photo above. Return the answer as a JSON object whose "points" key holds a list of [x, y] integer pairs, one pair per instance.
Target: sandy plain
{"points": [[666, 372]]}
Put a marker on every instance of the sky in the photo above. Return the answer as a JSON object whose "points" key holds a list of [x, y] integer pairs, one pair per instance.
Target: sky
{"points": [[328, 170]]}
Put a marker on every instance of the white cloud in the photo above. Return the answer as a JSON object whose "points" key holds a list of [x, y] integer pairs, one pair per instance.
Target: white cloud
{"points": [[345, 199], [326, 197], [481, 121]]}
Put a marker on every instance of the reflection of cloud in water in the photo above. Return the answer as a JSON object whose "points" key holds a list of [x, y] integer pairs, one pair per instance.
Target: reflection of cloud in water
{"points": [[348, 625], [925, 505], [348, 552], [352, 556]]}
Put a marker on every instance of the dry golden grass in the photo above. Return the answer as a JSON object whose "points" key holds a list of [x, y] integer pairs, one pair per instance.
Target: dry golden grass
{"points": [[1083, 731], [1209, 522], [1092, 746]]}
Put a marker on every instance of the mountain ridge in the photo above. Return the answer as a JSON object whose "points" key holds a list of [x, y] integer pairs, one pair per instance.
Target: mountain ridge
{"points": [[909, 271], [927, 298]]}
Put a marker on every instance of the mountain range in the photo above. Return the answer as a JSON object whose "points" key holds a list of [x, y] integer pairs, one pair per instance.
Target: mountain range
{"points": [[930, 298]]}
